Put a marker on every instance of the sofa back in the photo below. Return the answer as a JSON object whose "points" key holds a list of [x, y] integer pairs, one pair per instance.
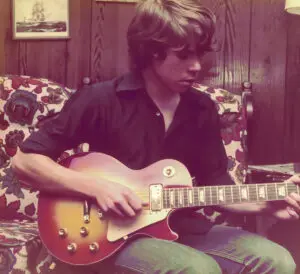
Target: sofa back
{"points": [[26, 102], [233, 129]]}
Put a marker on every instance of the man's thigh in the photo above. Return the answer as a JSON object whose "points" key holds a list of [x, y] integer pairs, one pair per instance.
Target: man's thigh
{"points": [[149, 255], [237, 250]]}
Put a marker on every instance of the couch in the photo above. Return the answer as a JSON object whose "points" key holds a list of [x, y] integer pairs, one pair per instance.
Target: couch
{"points": [[25, 105]]}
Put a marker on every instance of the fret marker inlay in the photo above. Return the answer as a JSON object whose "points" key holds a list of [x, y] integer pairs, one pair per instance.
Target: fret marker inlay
{"points": [[261, 192], [221, 195], [281, 191], [201, 194], [244, 193], [190, 196]]}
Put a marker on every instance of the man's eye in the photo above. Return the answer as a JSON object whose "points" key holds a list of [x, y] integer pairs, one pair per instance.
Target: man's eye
{"points": [[183, 55]]}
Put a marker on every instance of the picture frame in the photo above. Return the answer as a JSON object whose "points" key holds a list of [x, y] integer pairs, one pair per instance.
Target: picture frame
{"points": [[41, 19], [118, 1]]}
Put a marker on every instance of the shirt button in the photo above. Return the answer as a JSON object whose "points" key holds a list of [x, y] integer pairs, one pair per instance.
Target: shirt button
{"points": [[157, 114]]}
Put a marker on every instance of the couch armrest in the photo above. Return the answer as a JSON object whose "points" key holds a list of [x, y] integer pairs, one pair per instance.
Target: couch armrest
{"points": [[247, 100]]}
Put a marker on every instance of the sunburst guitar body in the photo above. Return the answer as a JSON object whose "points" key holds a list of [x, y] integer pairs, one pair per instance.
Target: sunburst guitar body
{"points": [[76, 231]]}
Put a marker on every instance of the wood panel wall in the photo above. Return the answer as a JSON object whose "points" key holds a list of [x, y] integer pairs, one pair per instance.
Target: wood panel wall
{"points": [[259, 43]]}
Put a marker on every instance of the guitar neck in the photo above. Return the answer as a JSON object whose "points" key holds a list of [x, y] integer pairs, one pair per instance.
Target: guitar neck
{"points": [[229, 194]]}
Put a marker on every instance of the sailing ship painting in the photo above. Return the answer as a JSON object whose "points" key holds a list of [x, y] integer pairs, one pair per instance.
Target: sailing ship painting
{"points": [[41, 19]]}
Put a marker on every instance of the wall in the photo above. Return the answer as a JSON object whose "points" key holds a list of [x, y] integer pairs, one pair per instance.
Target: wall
{"points": [[259, 43]]}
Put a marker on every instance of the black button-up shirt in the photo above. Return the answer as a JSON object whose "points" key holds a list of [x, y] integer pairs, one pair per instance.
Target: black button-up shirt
{"points": [[119, 118]]}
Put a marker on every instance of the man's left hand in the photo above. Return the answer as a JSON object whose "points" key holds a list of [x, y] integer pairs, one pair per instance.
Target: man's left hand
{"points": [[289, 208]]}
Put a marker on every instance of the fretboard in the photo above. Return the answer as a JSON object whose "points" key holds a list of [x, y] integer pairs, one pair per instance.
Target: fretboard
{"points": [[230, 194]]}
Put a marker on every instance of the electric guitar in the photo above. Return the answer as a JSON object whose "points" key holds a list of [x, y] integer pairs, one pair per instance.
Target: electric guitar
{"points": [[76, 232]]}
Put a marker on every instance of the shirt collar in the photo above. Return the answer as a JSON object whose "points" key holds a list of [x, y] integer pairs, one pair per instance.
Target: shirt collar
{"points": [[130, 81], [134, 81]]}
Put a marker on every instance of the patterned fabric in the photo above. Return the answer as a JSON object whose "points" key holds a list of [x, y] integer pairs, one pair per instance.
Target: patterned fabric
{"points": [[233, 129], [25, 104]]}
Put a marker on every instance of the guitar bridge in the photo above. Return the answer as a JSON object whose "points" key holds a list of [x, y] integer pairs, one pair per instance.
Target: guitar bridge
{"points": [[156, 197]]}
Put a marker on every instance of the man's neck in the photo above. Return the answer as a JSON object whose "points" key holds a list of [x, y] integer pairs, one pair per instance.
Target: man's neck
{"points": [[165, 99]]}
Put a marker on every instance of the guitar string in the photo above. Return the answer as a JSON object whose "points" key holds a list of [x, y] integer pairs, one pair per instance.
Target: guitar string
{"points": [[270, 192], [215, 196]]}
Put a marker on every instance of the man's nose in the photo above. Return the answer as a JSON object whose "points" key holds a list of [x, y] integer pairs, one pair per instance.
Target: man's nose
{"points": [[195, 66]]}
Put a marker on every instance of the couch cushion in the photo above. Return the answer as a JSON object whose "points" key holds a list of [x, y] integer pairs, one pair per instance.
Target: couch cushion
{"points": [[19, 246], [17, 233]]}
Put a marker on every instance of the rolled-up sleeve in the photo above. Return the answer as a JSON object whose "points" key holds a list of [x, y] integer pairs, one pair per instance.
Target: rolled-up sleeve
{"points": [[66, 130]]}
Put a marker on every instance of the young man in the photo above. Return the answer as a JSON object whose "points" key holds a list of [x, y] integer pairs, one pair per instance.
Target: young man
{"points": [[150, 114]]}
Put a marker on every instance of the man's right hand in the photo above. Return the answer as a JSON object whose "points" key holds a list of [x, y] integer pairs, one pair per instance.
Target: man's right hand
{"points": [[119, 199]]}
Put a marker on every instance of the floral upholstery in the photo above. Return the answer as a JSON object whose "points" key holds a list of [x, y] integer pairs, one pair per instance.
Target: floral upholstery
{"points": [[25, 104], [233, 129]]}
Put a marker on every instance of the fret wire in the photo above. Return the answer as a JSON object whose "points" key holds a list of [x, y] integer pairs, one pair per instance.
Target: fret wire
{"points": [[200, 191], [206, 194], [180, 197], [228, 195], [266, 192], [195, 197], [255, 192], [194, 194], [248, 194], [212, 195], [217, 194], [252, 193], [172, 200], [269, 188], [197, 192], [165, 198], [176, 197], [286, 187], [187, 195]]}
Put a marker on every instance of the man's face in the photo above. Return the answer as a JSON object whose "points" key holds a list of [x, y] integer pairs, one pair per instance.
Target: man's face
{"points": [[178, 70]]}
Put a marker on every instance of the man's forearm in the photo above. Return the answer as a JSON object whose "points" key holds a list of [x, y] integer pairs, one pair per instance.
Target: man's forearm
{"points": [[46, 175]]}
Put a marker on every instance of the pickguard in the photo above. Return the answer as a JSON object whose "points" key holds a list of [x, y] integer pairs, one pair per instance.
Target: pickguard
{"points": [[119, 228]]}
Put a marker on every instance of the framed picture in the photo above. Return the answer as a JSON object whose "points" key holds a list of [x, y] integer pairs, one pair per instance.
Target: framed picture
{"points": [[118, 1], [41, 19]]}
